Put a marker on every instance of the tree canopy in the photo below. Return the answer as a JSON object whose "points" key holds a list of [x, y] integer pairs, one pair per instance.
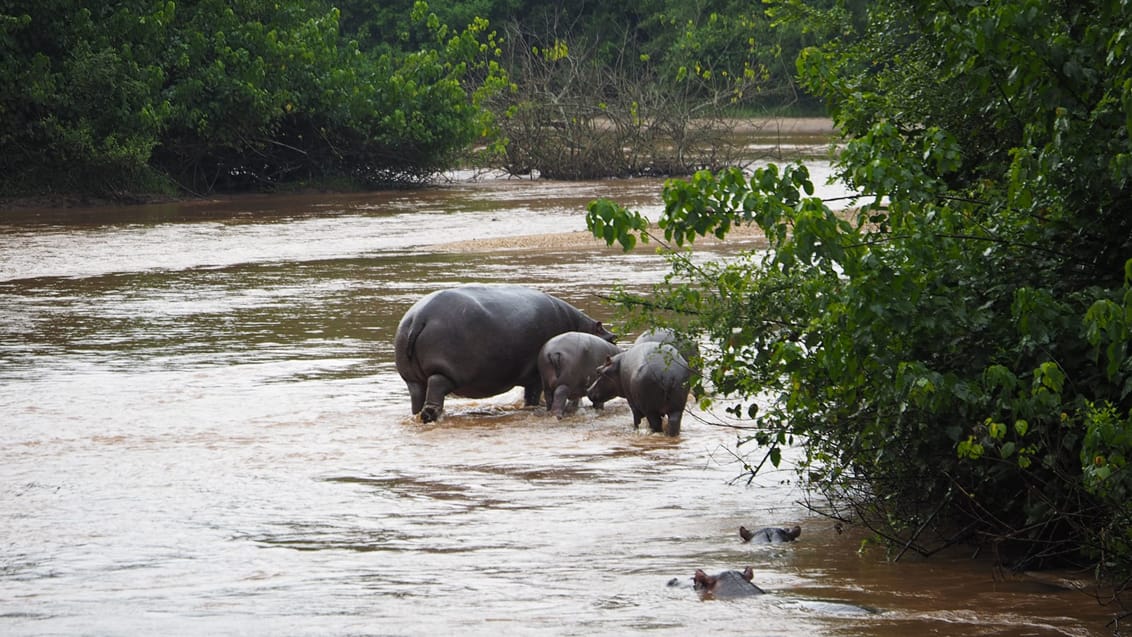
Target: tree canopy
{"points": [[136, 95], [106, 96], [953, 351]]}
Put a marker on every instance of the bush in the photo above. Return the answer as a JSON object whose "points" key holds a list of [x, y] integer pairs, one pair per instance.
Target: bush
{"points": [[954, 351], [137, 95]]}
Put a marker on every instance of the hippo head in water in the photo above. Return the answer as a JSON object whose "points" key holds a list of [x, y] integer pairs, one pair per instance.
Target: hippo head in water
{"points": [[727, 584], [770, 534]]}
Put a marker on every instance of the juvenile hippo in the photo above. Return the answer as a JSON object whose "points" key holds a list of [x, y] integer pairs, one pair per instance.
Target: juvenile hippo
{"points": [[770, 535], [727, 584], [653, 378], [568, 364], [480, 340]]}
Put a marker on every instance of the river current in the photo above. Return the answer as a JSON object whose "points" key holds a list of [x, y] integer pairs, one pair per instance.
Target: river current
{"points": [[204, 433]]}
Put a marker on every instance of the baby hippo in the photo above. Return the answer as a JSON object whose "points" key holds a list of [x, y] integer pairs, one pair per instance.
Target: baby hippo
{"points": [[568, 364], [726, 585], [653, 378], [770, 535]]}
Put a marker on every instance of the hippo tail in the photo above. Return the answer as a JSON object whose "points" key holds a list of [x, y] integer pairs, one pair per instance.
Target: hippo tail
{"points": [[411, 341], [555, 360]]}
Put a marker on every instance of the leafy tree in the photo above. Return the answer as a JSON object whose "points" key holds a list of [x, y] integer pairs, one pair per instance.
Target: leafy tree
{"points": [[125, 96], [279, 96], [953, 352], [390, 26], [79, 105], [135, 95]]}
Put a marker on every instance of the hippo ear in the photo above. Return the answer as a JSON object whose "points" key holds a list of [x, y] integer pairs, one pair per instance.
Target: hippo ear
{"points": [[599, 330], [702, 580], [745, 533], [749, 574]]}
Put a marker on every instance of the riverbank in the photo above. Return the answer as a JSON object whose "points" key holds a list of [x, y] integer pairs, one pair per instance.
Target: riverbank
{"points": [[786, 126], [752, 235], [770, 131]]}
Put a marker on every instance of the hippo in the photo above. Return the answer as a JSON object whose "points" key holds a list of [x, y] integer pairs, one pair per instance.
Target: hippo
{"points": [[686, 346], [568, 364], [480, 340], [770, 535], [653, 377], [727, 584]]}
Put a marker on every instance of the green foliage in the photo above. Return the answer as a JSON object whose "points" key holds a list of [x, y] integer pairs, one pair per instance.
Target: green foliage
{"points": [[392, 26], [285, 98], [1106, 446], [77, 104], [229, 95], [612, 222], [134, 95], [954, 351]]}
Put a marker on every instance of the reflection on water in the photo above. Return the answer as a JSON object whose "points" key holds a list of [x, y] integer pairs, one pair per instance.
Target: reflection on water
{"points": [[204, 433]]}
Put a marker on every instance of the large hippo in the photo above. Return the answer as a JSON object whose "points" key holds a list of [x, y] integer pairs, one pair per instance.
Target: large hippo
{"points": [[568, 364], [480, 340], [770, 534], [653, 378], [727, 584]]}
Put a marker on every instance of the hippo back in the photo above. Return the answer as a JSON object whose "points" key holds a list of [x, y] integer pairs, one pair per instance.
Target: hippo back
{"points": [[686, 346]]}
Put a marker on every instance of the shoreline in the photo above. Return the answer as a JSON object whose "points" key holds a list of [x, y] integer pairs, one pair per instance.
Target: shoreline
{"points": [[785, 126], [809, 129], [749, 236]]}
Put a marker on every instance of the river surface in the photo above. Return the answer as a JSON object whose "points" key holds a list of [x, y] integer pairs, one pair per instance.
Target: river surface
{"points": [[204, 433]]}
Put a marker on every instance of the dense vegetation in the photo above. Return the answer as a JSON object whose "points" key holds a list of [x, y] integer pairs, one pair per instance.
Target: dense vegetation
{"points": [[644, 87], [140, 95], [108, 96], [954, 352]]}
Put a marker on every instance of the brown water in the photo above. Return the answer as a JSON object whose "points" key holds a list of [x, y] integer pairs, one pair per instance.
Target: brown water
{"points": [[203, 433]]}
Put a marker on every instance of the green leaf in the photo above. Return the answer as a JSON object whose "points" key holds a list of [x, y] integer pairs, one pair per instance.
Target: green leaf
{"points": [[1021, 427]]}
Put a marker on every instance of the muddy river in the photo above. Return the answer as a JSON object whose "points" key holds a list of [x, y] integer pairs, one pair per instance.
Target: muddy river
{"points": [[204, 433]]}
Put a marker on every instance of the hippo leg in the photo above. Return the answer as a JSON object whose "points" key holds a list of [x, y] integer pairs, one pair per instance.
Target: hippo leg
{"points": [[655, 422], [438, 387], [571, 406], [672, 427], [637, 415], [558, 404], [532, 393], [416, 396]]}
